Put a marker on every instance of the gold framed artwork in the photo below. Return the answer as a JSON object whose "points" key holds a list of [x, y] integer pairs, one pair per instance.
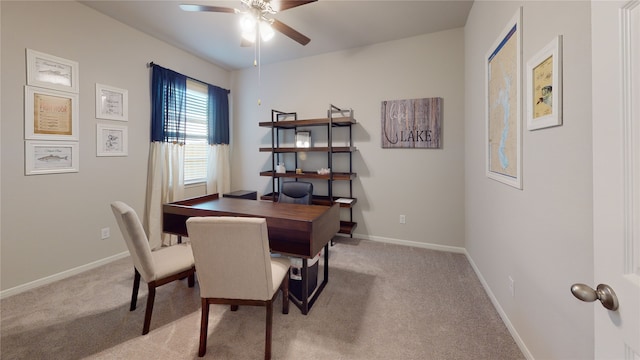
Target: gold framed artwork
{"points": [[544, 87], [51, 157], [50, 114], [52, 72], [503, 105]]}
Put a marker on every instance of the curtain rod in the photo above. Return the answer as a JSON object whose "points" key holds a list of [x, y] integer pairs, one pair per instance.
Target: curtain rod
{"points": [[152, 64]]}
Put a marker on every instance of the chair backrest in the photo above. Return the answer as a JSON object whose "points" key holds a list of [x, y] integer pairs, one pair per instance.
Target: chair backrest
{"points": [[136, 239], [296, 192], [232, 257]]}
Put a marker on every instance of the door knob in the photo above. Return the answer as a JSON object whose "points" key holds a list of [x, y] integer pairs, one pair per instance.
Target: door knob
{"points": [[603, 292]]}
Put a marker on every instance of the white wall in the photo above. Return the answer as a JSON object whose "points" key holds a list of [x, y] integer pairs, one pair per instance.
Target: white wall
{"points": [[541, 236], [51, 223], [426, 185]]}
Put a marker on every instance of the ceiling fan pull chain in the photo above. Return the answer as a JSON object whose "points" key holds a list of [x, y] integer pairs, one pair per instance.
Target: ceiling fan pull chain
{"points": [[258, 43]]}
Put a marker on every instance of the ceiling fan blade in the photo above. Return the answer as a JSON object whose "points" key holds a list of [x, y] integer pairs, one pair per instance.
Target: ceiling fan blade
{"points": [[281, 5], [290, 32], [192, 7]]}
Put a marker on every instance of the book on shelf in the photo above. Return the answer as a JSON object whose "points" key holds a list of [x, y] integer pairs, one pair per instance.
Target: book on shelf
{"points": [[344, 200]]}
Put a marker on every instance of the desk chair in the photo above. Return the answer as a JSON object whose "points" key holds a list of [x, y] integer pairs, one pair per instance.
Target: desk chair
{"points": [[157, 267], [296, 192], [235, 268]]}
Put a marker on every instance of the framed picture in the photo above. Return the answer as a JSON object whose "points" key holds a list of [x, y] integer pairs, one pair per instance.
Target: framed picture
{"points": [[303, 139], [52, 72], [50, 114], [412, 123], [503, 111], [544, 87], [111, 140], [111, 103], [50, 157]]}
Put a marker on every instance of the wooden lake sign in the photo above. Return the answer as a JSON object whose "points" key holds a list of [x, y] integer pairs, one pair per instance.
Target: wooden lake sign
{"points": [[414, 123]]}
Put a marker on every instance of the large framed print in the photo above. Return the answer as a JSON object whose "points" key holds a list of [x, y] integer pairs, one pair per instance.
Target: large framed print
{"points": [[50, 114], [544, 87], [52, 72], [503, 105], [111, 103], [111, 140], [51, 157]]}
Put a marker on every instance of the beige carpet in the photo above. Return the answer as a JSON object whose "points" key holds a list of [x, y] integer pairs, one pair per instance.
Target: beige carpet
{"points": [[382, 302]]}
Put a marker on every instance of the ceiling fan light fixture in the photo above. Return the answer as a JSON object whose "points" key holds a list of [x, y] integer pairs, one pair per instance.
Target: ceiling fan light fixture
{"points": [[248, 23], [249, 36], [266, 31]]}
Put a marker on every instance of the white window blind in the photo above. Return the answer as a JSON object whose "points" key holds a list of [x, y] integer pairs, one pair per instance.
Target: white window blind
{"points": [[196, 148]]}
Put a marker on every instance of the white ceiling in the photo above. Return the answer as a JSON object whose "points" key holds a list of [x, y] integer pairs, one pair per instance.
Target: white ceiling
{"points": [[332, 25]]}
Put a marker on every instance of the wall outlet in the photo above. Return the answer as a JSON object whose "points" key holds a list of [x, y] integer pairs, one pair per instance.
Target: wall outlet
{"points": [[105, 233], [512, 286], [403, 219]]}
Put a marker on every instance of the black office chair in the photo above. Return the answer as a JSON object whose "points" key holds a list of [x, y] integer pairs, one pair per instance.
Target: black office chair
{"points": [[296, 192]]}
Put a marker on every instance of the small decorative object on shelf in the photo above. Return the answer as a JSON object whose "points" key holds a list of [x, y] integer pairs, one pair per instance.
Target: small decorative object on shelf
{"points": [[324, 171], [280, 169]]}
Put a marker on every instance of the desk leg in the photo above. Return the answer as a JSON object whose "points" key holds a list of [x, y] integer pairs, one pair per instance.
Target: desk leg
{"points": [[326, 264], [306, 303], [305, 286]]}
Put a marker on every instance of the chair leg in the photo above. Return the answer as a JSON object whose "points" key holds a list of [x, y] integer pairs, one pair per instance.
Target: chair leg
{"points": [[191, 280], [136, 285], [204, 324], [149, 310], [234, 307], [267, 343]]}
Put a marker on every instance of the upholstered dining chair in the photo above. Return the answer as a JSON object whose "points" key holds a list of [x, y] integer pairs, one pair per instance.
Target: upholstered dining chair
{"points": [[235, 268], [157, 267], [296, 192]]}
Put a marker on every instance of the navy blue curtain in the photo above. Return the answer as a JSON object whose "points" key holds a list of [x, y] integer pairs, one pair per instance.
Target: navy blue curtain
{"points": [[169, 108], [218, 116], [168, 105]]}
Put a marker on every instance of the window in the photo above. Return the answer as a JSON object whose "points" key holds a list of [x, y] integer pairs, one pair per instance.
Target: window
{"points": [[196, 148]]}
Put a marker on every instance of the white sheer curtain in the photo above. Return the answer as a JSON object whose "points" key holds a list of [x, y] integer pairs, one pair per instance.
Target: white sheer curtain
{"points": [[165, 179], [218, 169], [165, 183]]}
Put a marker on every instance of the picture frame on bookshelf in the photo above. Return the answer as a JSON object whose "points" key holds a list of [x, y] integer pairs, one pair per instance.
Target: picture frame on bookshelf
{"points": [[303, 139]]}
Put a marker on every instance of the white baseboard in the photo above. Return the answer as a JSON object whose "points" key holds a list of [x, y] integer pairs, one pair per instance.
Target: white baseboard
{"points": [[59, 276], [454, 249], [503, 315]]}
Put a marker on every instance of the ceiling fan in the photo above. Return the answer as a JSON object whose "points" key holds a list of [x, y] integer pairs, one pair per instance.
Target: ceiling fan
{"points": [[257, 20]]}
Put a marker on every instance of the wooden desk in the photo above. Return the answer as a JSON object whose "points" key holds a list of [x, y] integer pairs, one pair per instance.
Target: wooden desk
{"points": [[297, 230]]}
